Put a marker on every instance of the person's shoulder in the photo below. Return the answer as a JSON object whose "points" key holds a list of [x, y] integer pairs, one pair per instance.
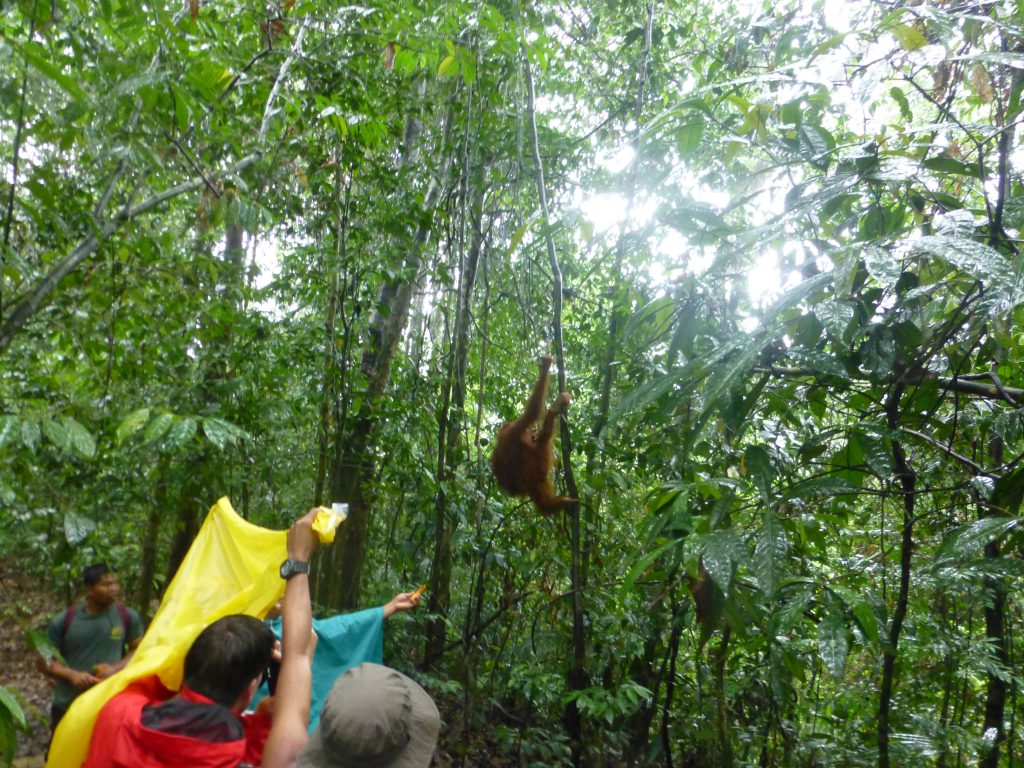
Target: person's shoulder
{"points": [[57, 620]]}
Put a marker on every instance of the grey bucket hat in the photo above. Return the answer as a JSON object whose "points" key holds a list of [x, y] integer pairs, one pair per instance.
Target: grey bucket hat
{"points": [[374, 717]]}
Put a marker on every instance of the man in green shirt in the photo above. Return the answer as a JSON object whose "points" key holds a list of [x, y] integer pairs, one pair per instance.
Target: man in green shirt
{"points": [[96, 639]]}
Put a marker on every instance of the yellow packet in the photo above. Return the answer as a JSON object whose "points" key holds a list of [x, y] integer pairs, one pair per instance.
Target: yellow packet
{"points": [[328, 519]]}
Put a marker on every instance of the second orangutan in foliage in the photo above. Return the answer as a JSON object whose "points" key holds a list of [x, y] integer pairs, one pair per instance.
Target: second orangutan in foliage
{"points": [[523, 458]]}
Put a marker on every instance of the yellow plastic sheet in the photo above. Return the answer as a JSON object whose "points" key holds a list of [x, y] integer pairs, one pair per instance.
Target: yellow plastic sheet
{"points": [[232, 567]]}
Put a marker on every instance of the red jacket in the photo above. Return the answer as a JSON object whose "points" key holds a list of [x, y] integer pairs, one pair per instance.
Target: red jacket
{"points": [[148, 726]]}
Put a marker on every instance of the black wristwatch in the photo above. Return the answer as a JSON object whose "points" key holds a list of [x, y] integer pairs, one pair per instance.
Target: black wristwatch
{"points": [[291, 568]]}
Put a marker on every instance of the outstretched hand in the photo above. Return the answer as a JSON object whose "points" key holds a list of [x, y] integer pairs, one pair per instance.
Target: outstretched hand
{"points": [[403, 601]]}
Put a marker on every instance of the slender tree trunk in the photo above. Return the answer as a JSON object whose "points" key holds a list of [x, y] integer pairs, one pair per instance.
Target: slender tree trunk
{"points": [[331, 375], [718, 656], [148, 563], [451, 419], [908, 481], [995, 593], [353, 471]]}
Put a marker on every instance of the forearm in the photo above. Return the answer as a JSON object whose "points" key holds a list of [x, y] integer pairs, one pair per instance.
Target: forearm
{"points": [[291, 702]]}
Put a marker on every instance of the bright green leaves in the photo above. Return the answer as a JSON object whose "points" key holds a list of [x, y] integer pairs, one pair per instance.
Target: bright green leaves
{"points": [[77, 527], [171, 432], [64, 433], [40, 59], [977, 260], [223, 433], [12, 721], [130, 424]]}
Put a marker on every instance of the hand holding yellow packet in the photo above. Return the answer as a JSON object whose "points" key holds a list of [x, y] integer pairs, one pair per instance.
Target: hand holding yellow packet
{"points": [[328, 519]]}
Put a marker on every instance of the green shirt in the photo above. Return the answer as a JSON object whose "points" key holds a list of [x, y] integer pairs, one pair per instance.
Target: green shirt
{"points": [[90, 640]]}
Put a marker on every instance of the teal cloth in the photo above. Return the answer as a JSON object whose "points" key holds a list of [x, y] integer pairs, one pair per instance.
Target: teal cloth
{"points": [[343, 642]]}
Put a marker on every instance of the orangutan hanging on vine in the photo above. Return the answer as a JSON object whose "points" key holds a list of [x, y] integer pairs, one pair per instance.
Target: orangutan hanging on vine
{"points": [[523, 457]]}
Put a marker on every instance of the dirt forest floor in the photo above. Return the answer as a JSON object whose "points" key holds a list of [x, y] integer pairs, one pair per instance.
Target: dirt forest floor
{"points": [[24, 606]]}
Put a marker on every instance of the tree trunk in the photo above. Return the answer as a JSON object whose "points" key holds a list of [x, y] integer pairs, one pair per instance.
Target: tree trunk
{"points": [[451, 419], [907, 480], [353, 469], [995, 592]]}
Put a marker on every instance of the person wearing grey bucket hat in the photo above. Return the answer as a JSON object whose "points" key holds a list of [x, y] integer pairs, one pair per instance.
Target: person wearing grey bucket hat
{"points": [[374, 717]]}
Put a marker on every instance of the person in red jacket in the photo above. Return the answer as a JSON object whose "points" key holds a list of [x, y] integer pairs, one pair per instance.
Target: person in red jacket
{"points": [[202, 726]]}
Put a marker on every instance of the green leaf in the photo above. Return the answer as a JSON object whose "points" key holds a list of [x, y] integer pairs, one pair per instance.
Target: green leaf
{"points": [[757, 464], [181, 432], [157, 427], [833, 645], [8, 702], [770, 549], [30, 433], [641, 565], [789, 615], [1009, 492], [690, 134], [445, 64], [77, 527], [882, 265], [901, 99], [130, 424], [56, 434], [863, 612], [720, 548], [875, 453], [968, 540], [9, 427], [909, 37], [818, 487], [81, 439], [942, 164], [973, 258], [39, 58], [222, 433]]}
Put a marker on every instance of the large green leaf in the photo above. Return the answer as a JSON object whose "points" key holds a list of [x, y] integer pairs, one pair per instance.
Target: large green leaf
{"points": [[975, 259], [771, 547], [130, 424], [9, 427], [30, 433], [968, 540], [77, 527], [722, 549], [181, 431], [158, 427], [41, 60], [81, 440], [56, 434], [833, 645], [222, 433]]}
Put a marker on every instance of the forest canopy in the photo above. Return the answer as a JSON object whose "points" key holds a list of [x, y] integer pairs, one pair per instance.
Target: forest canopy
{"points": [[301, 252]]}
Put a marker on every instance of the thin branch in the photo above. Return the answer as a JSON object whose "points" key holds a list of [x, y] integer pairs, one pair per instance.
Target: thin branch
{"points": [[972, 466], [295, 51], [29, 304], [956, 384]]}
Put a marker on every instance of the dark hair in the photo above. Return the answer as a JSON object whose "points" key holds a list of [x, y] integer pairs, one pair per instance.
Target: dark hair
{"points": [[226, 656], [92, 575]]}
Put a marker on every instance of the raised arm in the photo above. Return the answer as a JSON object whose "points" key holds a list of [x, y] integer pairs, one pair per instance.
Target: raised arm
{"points": [[291, 702]]}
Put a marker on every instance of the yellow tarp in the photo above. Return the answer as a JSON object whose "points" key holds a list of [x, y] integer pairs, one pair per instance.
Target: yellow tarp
{"points": [[232, 567]]}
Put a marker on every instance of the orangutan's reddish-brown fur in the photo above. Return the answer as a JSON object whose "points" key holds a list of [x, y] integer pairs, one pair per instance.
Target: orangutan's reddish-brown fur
{"points": [[522, 457]]}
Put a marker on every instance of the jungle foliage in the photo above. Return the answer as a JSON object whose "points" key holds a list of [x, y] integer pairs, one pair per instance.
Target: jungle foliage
{"points": [[301, 252]]}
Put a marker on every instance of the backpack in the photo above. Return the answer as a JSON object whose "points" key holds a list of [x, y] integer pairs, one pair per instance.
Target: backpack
{"points": [[69, 616]]}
